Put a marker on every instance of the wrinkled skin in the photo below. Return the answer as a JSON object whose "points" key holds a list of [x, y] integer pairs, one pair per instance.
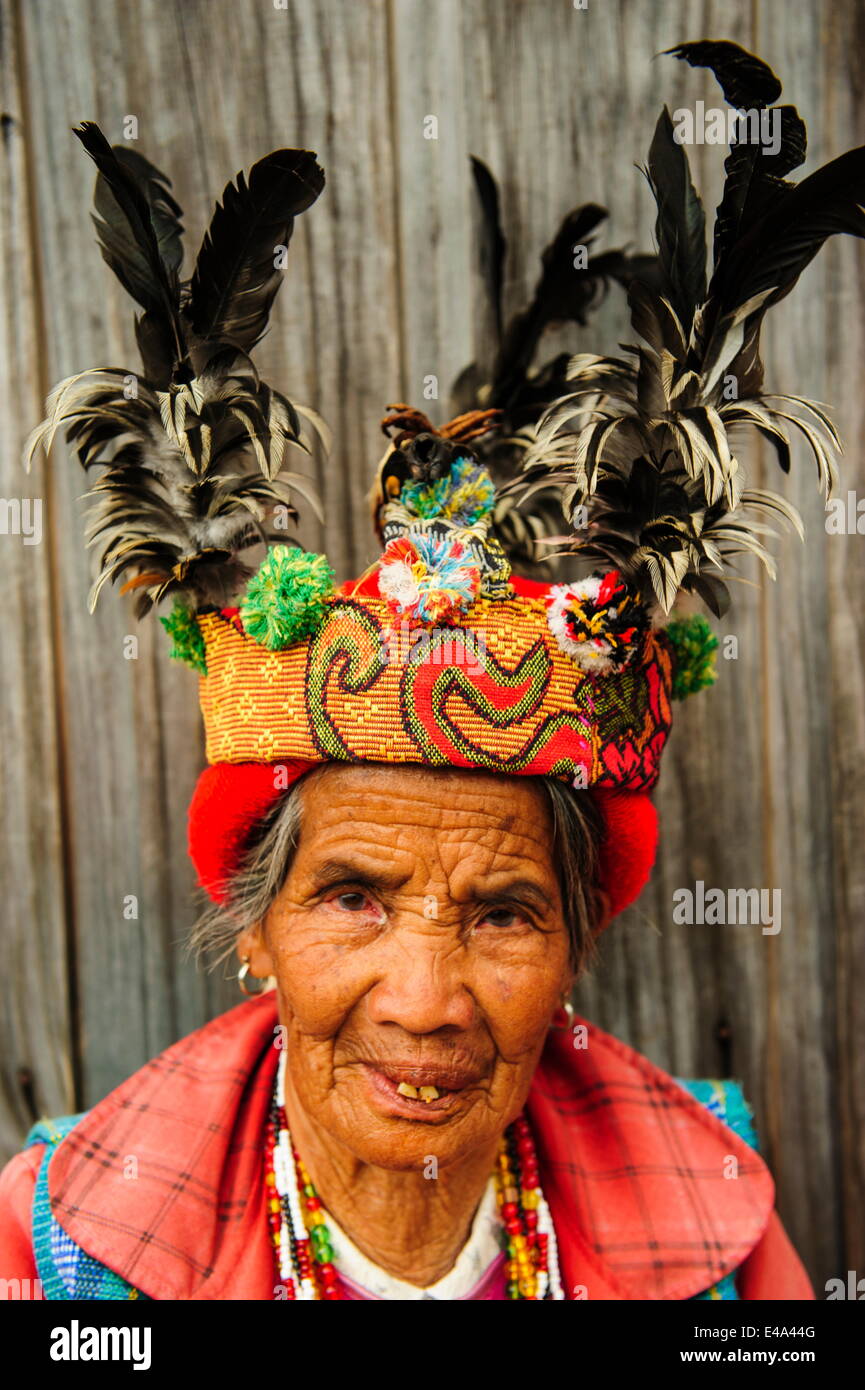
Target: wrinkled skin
{"points": [[420, 926]]}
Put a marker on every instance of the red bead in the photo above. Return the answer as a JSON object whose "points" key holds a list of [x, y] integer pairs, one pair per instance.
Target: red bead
{"points": [[313, 1203], [509, 1211], [531, 1219], [514, 1228], [525, 1147]]}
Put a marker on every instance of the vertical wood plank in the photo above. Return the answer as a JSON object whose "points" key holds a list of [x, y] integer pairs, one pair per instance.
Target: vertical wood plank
{"points": [[36, 1042], [843, 672]]}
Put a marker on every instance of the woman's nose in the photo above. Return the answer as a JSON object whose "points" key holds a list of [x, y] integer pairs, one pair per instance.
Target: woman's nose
{"points": [[422, 988]]}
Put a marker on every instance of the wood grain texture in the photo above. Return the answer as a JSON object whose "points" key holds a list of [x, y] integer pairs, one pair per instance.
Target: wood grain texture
{"points": [[37, 1046], [763, 777]]}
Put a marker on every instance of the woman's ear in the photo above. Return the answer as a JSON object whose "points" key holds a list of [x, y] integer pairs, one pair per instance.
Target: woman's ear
{"points": [[252, 949], [604, 914]]}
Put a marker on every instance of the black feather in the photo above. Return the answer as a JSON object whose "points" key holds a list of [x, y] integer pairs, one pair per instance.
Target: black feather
{"points": [[493, 246], [166, 214], [235, 279], [127, 235], [776, 249], [563, 293], [681, 224], [745, 80], [712, 590], [754, 179]]}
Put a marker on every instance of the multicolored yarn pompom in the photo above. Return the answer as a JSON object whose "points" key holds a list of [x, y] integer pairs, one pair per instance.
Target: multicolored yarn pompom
{"points": [[286, 598], [463, 496], [598, 622], [695, 646], [187, 642], [426, 578]]}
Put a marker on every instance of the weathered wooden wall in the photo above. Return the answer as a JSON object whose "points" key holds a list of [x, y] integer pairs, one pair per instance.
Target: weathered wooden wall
{"points": [[763, 780]]}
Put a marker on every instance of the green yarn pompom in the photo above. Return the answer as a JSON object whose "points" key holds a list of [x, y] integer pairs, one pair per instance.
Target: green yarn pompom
{"points": [[694, 647], [285, 598], [187, 643]]}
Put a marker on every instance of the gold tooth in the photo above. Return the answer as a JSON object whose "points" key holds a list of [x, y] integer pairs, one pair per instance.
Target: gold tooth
{"points": [[429, 1093], [404, 1089]]}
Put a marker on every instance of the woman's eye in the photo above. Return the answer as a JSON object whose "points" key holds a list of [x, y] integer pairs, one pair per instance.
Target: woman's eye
{"points": [[501, 917], [352, 902]]}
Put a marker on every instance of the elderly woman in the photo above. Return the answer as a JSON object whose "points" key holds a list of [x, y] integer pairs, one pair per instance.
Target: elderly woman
{"points": [[428, 792], [410, 1114]]}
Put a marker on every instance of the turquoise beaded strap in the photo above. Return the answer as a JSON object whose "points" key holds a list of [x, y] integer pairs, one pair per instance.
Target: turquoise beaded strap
{"points": [[725, 1100], [65, 1270]]}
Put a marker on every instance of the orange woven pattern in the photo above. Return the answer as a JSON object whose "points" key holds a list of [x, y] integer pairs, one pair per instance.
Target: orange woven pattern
{"points": [[495, 692]]}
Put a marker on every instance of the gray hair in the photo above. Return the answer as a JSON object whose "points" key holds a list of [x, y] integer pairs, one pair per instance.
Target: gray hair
{"points": [[259, 879]]}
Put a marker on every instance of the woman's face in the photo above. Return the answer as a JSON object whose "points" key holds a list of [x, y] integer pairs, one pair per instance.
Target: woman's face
{"points": [[419, 939]]}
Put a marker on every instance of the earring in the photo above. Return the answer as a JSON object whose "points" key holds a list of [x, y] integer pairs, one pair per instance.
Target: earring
{"points": [[242, 974], [568, 1009]]}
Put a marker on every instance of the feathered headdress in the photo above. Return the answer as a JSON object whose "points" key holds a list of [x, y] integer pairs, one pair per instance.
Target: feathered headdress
{"points": [[644, 443], [193, 449]]}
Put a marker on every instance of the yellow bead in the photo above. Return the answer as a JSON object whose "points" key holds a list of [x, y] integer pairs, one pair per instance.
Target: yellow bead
{"points": [[531, 1199], [270, 1179]]}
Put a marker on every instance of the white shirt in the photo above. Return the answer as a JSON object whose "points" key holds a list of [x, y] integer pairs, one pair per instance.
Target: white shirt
{"points": [[482, 1248]]}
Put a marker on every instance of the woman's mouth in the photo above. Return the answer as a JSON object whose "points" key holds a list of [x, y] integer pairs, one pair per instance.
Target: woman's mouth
{"points": [[416, 1092]]}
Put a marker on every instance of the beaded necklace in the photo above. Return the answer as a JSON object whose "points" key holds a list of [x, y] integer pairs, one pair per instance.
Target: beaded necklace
{"points": [[303, 1251]]}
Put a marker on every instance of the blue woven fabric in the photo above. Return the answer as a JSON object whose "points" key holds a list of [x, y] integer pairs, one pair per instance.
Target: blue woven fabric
{"points": [[725, 1100], [66, 1271]]}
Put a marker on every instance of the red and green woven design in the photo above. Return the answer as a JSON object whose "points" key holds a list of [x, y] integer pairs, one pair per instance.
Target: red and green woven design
{"points": [[491, 691]]}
